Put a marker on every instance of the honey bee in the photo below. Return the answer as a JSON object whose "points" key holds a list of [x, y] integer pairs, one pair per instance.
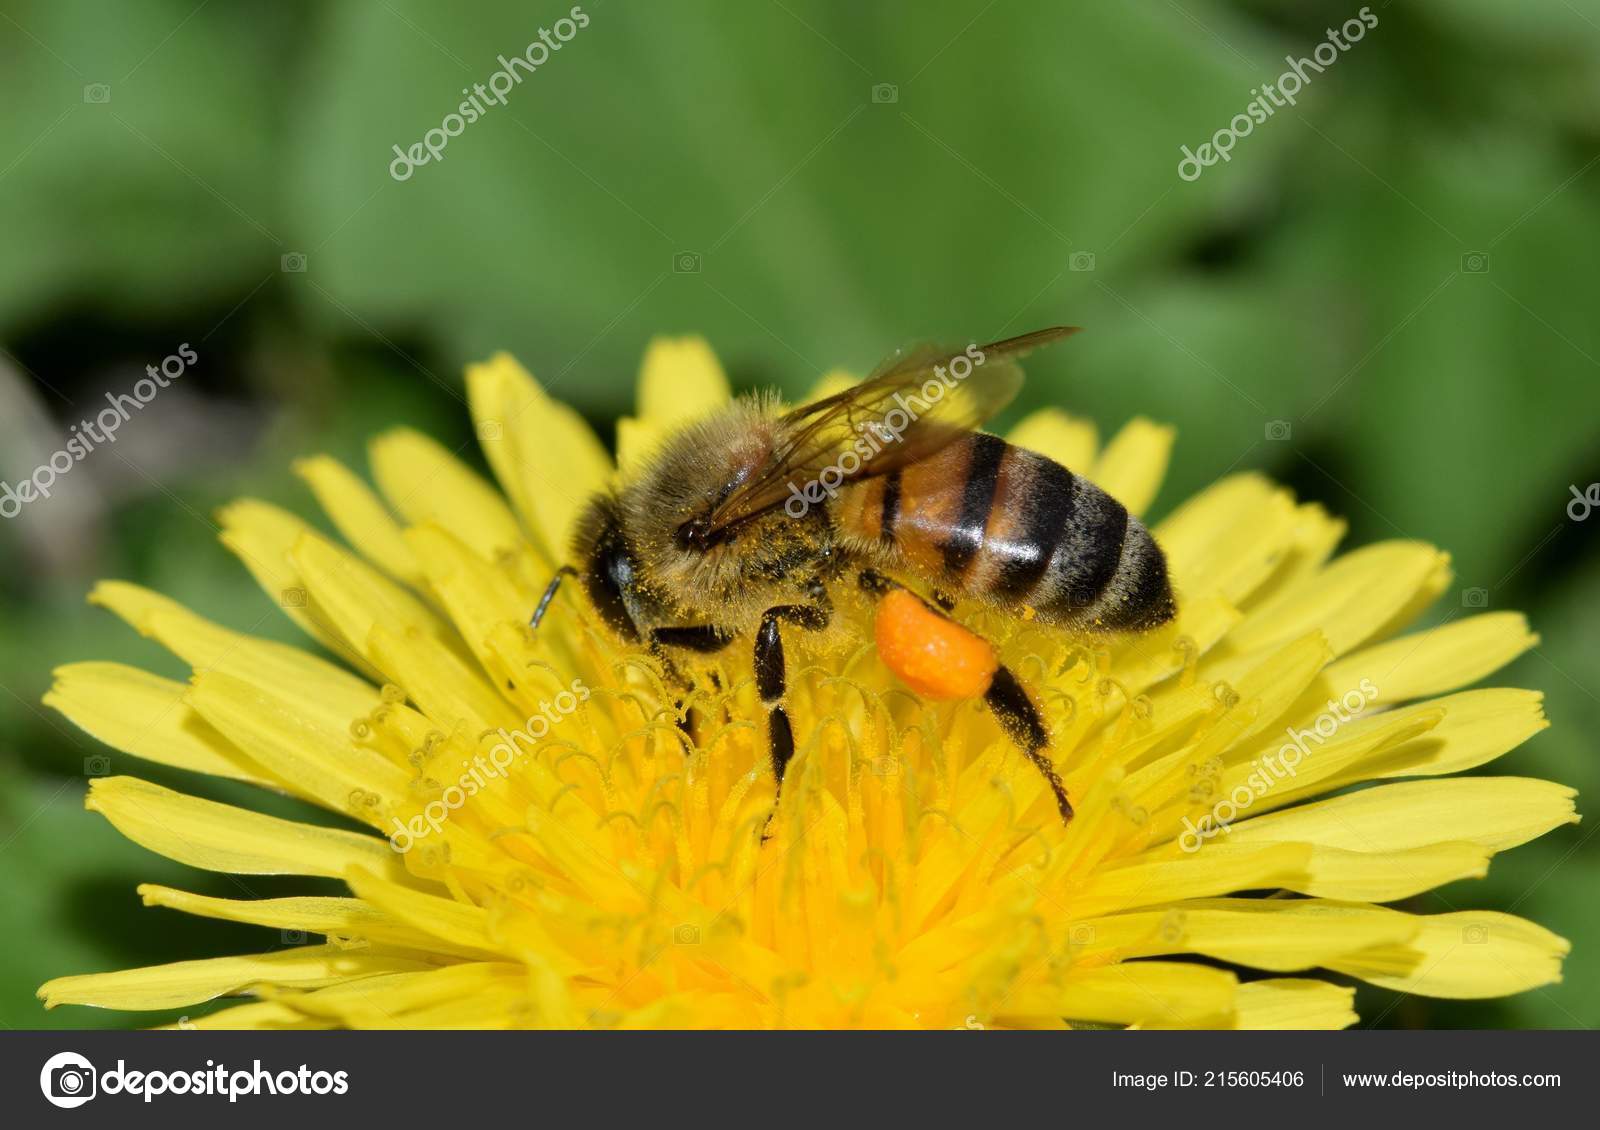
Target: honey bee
{"points": [[741, 524]]}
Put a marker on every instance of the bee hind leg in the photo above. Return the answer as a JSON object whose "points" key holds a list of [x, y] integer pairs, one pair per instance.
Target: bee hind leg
{"points": [[1019, 718], [1006, 696]]}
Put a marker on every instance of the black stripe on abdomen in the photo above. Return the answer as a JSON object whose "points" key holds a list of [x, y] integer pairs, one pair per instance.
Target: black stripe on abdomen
{"points": [[977, 499], [1090, 549], [1042, 508]]}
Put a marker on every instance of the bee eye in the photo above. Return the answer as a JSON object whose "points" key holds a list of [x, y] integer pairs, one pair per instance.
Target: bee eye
{"points": [[695, 534]]}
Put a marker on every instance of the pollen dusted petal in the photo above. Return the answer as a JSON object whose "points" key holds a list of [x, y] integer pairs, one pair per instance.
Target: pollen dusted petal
{"points": [[617, 869]]}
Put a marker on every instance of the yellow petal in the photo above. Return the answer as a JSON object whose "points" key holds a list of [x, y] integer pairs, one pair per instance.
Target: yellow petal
{"points": [[1478, 726], [1335, 873], [1470, 954], [261, 536], [353, 598], [1281, 935], [1071, 442], [219, 837], [324, 690], [1215, 870], [190, 982], [1295, 1005], [460, 925], [1437, 660], [323, 763], [353, 920], [360, 516], [1132, 993], [263, 1016], [1350, 600], [425, 483], [680, 380], [1134, 463], [1496, 812], [1229, 539], [145, 715], [545, 455]]}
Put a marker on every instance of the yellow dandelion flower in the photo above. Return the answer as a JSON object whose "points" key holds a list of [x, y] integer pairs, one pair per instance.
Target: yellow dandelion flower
{"points": [[573, 857]]}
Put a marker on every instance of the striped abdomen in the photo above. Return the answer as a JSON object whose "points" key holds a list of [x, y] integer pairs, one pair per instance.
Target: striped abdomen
{"points": [[1004, 524]]}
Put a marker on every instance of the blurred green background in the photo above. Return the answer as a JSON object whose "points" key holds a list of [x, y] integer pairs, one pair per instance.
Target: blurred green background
{"points": [[1396, 274]]}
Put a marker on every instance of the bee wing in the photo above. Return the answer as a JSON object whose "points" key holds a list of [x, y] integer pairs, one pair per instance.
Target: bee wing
{"points": [[887, 421]]}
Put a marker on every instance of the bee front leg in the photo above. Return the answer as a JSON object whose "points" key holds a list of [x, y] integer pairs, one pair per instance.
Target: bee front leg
{"points": [[772, 677], [704, 639]]}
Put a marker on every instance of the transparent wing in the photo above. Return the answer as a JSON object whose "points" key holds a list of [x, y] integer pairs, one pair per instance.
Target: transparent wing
{"points": [[915, 403]]}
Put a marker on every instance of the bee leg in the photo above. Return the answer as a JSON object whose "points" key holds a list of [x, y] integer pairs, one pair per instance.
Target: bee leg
{"points": [[702, 638], [1012, 707], [550, 594], [1019, 718], [772, 678]]}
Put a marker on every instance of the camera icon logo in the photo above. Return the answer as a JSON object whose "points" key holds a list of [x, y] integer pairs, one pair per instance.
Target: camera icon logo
{"points": [[1475, 263], [68, 1080], [294, 263], [885, 93], [97, 93], [686, 263], [1474, 598], [1279, 430], [96, 765], [686, 935], [1475, 933], [1080, 261]]}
